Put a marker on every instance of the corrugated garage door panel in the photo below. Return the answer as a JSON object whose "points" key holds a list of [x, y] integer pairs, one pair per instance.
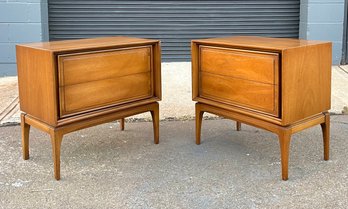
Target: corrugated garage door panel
{"points": [[175, 23]]}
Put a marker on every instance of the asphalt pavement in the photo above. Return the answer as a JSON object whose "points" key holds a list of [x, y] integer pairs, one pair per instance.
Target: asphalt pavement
{"points": [[103, 167]]}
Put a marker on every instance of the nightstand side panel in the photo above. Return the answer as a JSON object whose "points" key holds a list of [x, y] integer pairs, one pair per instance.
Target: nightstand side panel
{"points": [[37, 83], [306, 82]]}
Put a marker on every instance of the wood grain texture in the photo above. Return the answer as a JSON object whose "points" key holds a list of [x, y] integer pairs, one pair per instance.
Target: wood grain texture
{"points": [[304, 74], [195, 70], [306, 82], [37, 83], [57, 133], [284, 133], [38, 78], [306, 123], [227, 80], [100, 112], [230, 90], [284, 142], [56, 141], [89, 44], [244, 64], [258, 43], [100, 65], [118, 90], [230, 114], [244, 110], [66, 86]]}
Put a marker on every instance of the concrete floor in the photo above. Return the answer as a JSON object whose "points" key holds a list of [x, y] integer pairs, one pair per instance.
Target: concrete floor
{"points": [[103, 167]]}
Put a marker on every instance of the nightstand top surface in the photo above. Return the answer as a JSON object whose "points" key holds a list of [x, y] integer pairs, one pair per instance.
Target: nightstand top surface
{"points": [[79, 44], [278, 44]]}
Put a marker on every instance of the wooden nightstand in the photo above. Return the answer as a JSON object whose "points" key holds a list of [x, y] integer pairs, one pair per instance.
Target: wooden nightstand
{"points": [[280, 85], [65, 86]]}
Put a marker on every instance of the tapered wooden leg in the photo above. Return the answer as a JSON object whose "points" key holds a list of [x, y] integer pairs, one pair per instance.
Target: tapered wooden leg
{"points": [[284, 141], [325, 127], [238, 126], [155, 121], [56, 140], [199, 118], [25, 137], [122, 124]]}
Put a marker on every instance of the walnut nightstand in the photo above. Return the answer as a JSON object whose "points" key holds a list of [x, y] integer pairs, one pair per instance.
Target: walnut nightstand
{"points": [[65, 86], [280, 85]]}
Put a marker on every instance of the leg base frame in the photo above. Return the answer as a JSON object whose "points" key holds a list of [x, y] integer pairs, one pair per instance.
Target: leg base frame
{"points": [[284, 132], [57, 133]]}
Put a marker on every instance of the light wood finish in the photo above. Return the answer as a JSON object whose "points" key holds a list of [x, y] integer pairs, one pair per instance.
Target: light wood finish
{"points": [[122, 124], [284, 142], [244, 110], [56, 141], [199, 118], [155, 121], [57, 133], [229, 90], [112, 42], [39, 75], [37, 83], [85, 96], [101, 111], [66, 86], [86, 67], [244, 64], [83, 75], [325, 126], [238, 126], [306, 81], [284, 133], [280, 85], [25, 137], [257, 43], [304, 74]]}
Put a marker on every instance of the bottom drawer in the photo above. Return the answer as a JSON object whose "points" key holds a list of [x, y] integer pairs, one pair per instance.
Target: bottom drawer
{"points": [[259, 96], [84, 96]]}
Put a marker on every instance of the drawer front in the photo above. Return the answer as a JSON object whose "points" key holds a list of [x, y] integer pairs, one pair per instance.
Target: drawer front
{"points": [[95, 80], [241, 78], [94, 66], [243, 93], [248, 65]]}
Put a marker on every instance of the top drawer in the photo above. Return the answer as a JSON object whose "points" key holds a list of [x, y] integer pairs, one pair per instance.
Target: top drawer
{"points": [[99, 65], [243, 64], [99, 79], [241, 78]]}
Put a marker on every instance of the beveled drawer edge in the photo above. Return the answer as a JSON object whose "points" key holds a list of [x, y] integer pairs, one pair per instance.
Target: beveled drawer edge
{"points": [[60, 75], [239, 47], [274, 113], [276, 62], [60, 58], [67, 114], [104, 110], [102, 50], [242, 110], [245, 50], [277, 81]]}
